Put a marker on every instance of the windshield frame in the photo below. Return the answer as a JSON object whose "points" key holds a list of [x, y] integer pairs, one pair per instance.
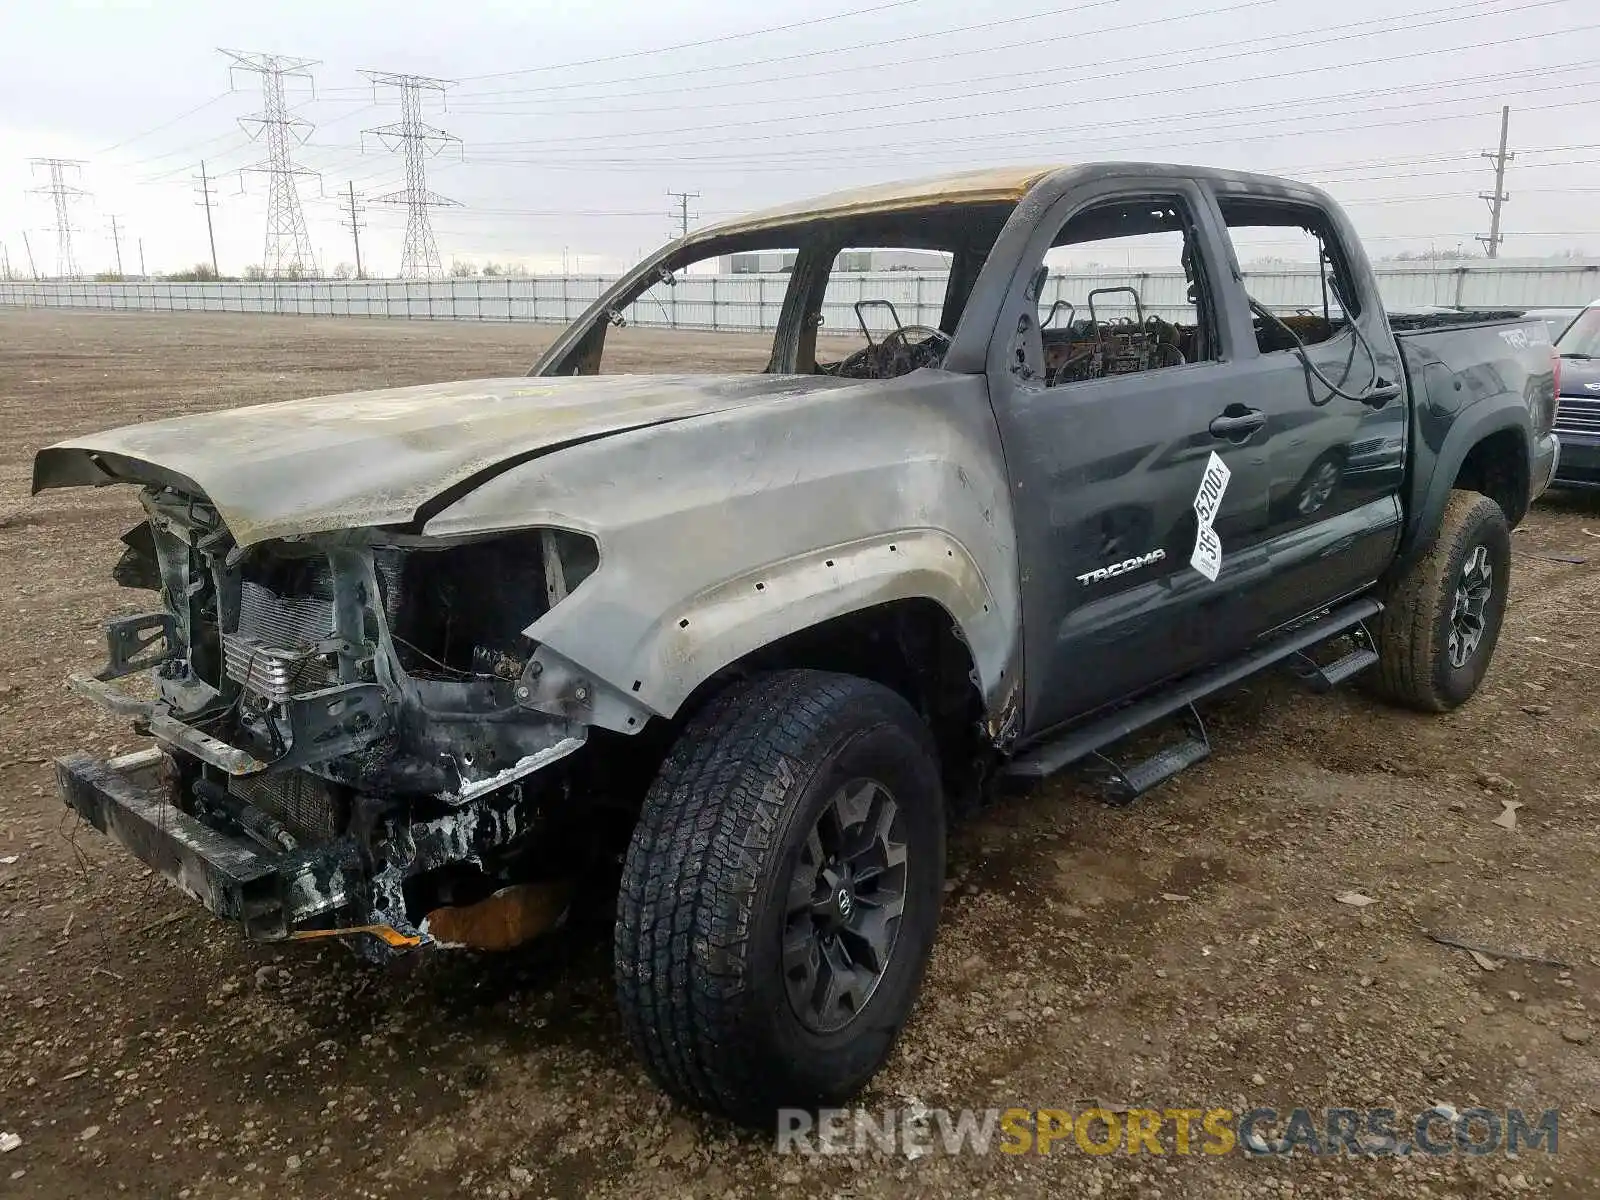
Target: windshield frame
{"points": [[966, 230]]}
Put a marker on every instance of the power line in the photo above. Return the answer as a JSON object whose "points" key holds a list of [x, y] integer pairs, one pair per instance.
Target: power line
{"points": [[288, 245], [945, 120], [206, 192], [1497, 198], [188, 112], [62, 193], [419, 259], [730, 37], [809, 161], [1071, 11], [1057, 74]]}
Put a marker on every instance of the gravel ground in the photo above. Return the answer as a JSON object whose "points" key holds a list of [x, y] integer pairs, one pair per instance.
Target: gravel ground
{"points": [[1187, 951]]}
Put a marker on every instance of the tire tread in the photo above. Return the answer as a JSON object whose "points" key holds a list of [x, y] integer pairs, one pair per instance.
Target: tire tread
{"points": [[690, 878]]}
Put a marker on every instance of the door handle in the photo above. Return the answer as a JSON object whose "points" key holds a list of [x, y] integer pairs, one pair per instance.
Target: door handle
{"points": [[1238, 423], [1380, 393]]}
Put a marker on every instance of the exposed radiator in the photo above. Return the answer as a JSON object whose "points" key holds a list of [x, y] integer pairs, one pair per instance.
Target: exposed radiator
{"points": [[271, 654], [302, 802]]}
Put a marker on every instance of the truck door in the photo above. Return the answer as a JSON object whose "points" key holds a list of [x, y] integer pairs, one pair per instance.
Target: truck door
{"points": [[1334, 466], [1131, 458]]}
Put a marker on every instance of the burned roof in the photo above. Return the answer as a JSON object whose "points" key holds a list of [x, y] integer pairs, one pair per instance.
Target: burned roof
{"points": [[993, 185]]}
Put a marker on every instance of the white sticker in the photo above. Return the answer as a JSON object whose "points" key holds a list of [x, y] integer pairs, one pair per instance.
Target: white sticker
{"points": [[1207, 556]]}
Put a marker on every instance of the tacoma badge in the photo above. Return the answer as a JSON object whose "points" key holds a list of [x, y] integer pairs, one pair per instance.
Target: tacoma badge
{"points": [[1101, 574]]}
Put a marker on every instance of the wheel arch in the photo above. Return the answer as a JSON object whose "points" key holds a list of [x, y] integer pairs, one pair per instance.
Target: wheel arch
{"points": [[856, 608], [1487, 449]]}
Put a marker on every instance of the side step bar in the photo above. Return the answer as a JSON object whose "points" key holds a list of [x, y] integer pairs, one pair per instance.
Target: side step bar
{"points": [[1125, 784], [1321, 678], [1046, 758]]}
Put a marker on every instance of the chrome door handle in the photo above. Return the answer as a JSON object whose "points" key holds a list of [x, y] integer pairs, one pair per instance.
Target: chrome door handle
{"points": [[1238, 426]]}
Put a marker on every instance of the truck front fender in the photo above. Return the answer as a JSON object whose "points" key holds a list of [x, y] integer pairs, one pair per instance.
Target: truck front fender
{"points": [[721, 535]]}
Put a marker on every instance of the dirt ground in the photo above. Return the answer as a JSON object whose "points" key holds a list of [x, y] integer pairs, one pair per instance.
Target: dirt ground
{"points": [[1187, 951]]}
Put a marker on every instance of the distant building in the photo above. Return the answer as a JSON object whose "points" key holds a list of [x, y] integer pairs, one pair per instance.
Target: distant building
{"points": [[761, 262], [892, 260], [777, 262]]}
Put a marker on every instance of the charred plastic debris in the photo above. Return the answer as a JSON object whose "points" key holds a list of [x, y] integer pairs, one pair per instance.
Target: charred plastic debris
{"points": [[352, 739]]}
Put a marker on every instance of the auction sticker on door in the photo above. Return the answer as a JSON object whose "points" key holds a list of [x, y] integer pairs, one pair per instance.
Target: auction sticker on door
{"points": [[1207, 556]]}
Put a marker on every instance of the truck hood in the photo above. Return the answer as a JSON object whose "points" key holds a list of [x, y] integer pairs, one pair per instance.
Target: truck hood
{"points": [[1581, 377], [379, 458]]}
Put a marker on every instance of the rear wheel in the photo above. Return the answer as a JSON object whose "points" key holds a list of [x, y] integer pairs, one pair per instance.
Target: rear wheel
{"points": [[780, 894], [1439, 629]]}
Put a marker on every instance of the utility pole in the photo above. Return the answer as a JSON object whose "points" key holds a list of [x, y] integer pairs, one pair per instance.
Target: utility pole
{"points": [[28, 246], [141, 259], [61, 192], [420, 257], [288, 247], [1497, 198], [116, 242], [5, 262], [206, 191], [355, 230], [682, 215]]}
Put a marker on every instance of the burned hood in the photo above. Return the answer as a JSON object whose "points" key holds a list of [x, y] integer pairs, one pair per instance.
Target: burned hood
{"points": [[386, 457]]}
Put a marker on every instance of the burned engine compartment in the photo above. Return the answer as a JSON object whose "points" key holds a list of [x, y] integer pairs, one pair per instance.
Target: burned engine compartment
{"points": [[361, 661], [355, 707]]}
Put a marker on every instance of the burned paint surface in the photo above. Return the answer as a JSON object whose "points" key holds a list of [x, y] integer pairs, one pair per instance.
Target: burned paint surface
{"points": [[777, 518], [375, 458], [986, 186]]}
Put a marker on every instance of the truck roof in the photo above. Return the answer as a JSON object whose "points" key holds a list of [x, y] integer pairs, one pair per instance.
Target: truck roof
{"points": [[991, 185]]}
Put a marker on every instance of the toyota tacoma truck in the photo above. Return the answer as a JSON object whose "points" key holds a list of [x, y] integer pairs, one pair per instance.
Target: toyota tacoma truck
{"points": [[423, 666]]}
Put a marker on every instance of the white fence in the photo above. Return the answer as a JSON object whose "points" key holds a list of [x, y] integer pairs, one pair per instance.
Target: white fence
{"points": [[752, 302]]}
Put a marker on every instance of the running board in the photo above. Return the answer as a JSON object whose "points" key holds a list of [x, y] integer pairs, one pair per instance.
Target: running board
{"points": [[1325, 678], [1125, 784], [1046, 758]]}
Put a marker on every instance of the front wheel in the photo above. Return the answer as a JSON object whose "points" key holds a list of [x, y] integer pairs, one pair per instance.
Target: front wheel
{"points": [[780, 894], [1439, 629]]}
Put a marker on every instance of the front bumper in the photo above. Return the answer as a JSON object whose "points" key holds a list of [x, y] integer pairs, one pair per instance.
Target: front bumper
{"points": [[312, 893], [1580, 461]]}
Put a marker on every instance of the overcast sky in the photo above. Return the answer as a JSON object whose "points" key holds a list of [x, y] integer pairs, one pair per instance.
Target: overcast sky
{"points": [[564, 154]]}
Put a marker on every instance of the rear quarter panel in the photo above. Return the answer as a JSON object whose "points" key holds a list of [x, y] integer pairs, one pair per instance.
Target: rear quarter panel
{"points": [[1469, 382]]}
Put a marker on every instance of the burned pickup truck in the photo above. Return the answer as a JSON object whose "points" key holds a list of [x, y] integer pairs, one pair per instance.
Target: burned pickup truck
{"points": [[425, 664]]}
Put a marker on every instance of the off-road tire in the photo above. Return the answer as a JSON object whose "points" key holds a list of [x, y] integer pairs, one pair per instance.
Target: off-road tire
{"points": [[1413, 634], [705, 898]]}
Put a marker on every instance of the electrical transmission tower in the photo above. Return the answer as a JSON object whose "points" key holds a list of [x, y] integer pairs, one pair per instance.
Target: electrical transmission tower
{"points": [[62, 193], [288, 251], [1497, 198], [682, 215], [420, 257]]}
